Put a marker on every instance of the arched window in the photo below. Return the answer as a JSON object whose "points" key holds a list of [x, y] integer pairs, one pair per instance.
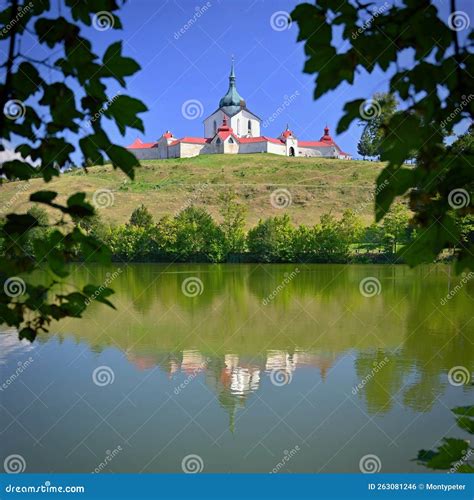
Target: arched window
{"points": [[238, 126], [250, 126], [218, 141], [231, 141], [215, 126]]}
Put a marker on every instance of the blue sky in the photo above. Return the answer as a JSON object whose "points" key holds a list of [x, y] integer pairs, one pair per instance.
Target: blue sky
{"points": [[195, 66]]}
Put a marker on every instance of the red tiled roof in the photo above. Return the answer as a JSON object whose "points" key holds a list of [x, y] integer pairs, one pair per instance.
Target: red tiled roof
{"points": [[313, 144], [263, 138], [139, 144], [192, 140]]}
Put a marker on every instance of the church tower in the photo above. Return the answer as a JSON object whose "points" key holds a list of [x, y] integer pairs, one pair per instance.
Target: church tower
{"points": [[233, 106]]}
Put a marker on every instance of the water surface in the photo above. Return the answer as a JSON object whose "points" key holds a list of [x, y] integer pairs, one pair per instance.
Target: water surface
{"points": [[263, 363]]}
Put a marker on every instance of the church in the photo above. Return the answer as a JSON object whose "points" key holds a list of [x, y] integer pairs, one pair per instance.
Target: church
{"points": [[233, 129]]}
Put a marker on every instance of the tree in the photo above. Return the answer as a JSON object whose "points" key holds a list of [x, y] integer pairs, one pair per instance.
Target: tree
{"points": [[395, 226], [343, 39], [379, 110], [233, 223], [141, 217], [52, 108], [272, 239]]}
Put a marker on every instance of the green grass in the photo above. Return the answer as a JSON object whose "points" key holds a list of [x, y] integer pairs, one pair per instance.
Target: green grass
{"points": [[316, 185]]}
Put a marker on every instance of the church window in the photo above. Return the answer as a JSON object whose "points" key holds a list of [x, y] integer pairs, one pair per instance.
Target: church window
{"points": [[231, 141], [218, 141], [250, 126], [215, 126]]}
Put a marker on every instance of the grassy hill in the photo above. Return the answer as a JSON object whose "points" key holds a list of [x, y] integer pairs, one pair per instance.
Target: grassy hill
{"points": [[165, 186]]}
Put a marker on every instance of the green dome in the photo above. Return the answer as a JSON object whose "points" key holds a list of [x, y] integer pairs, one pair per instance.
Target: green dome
{"points": [[232, 101]]}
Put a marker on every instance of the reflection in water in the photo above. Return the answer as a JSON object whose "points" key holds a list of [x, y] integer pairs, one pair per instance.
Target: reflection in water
{"points": [[223, 348]]}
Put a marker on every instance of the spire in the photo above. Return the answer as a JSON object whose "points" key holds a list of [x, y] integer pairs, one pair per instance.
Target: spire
{"points": [[232, 71], [232, 100]]}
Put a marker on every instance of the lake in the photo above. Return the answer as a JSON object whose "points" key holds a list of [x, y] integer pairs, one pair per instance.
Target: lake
{"points": [[243, 368]]}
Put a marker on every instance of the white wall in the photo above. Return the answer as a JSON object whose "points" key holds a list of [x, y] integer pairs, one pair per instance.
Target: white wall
{"points": [[243, 117]]}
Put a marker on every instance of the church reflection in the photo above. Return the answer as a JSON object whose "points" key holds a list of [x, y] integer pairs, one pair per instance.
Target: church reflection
{"points": [[232, 377]]}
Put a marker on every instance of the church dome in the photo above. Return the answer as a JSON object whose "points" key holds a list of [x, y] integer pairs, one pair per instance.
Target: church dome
{"points": [[232, 102]]}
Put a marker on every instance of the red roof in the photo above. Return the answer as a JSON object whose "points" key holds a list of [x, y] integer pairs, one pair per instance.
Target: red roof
{"points": [[326, 137], [312, 144], [263, 138], [167, 135], [192, 140], [139, 144]]}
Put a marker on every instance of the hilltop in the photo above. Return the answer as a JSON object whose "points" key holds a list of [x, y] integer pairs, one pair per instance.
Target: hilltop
{"points": [[317, 186]]}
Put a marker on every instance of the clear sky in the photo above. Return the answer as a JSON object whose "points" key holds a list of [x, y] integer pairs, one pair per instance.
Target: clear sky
{"points": [[177, 68]]}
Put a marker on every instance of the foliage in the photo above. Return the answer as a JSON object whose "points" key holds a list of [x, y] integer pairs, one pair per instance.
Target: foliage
{"points": [[233, 223], [46, 118], [271, 240], [384, 106], [454, 454], [141, 217], [433, 83], [396, 226]]}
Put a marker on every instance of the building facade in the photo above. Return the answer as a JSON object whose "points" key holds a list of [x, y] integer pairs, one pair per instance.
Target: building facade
{"points": [[233, 129]]}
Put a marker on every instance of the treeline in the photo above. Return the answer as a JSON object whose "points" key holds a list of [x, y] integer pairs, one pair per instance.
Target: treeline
{"points": [[192, 235]]}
